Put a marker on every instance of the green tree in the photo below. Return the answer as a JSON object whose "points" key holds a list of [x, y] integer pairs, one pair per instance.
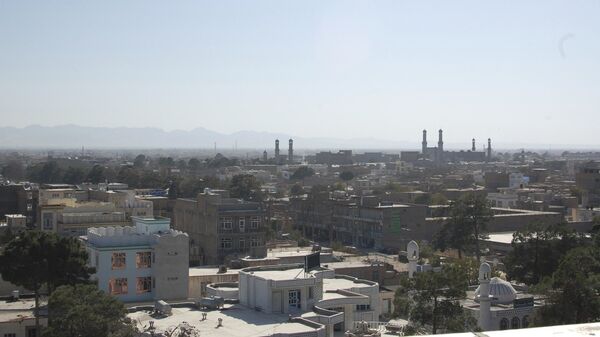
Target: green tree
{"points": [[130, 176], [139, 161], [97, 174], [35, 259], [85, 311], [572, 291], [538, 250], [302, 172], [13, 170], [74, 175], [45, 173], [194, 164], [432, 299], [297, 190], [245, 186], [466, 225], [346, 176]]}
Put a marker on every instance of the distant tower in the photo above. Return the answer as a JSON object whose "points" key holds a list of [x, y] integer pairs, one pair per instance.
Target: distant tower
{"points": [[291, 151], [412, 253], [440, 148], [489, 149], [473, 145], [484, 298], [424, 143], [277, 150], [265, 156]]}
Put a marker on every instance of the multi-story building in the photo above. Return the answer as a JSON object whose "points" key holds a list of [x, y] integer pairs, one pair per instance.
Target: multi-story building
{"points": [[142, 263], [588, 180], [19, 199], [221, 227]]}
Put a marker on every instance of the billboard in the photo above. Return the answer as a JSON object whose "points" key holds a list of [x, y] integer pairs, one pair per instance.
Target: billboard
{"points": [[312, 261]]}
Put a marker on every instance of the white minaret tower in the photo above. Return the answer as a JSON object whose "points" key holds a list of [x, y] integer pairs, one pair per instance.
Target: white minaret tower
{"points": [[412, 252], [485, 314]]}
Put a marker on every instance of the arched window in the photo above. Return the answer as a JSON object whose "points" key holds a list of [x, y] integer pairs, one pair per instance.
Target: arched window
{"points": [[525, 321], [515, 323], [504, 324]]}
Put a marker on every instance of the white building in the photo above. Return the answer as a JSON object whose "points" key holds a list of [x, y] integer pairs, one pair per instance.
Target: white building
{"points": [[335, 301], [143, 263], [497, 305]]}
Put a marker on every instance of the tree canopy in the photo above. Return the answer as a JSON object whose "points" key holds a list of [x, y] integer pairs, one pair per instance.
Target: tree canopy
{"points": [[245, 186], [302, 172], [85, 311], [538, 250], [465, 226]]}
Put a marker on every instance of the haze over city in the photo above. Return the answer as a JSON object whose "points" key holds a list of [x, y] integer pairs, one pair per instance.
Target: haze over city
{"points": [[518, 73]]}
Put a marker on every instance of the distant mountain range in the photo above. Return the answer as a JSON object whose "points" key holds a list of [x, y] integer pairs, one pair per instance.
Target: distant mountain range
{"points": [[74, 136]]}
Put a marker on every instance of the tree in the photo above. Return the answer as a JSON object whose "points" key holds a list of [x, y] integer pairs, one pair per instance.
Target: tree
{"points": [[13, 170], [84, 310], [194, 164], [139, 161], [572, 292], [35, 259], [538, 250], [466, 225], [346, 176], [302, 172], [48, 172], [74, 175], [245, 186], [97, 174], [432, 299], [297, 190]]}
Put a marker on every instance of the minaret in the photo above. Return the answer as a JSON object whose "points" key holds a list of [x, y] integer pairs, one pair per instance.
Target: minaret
{"points": [[473, 145], [412, 253], [265, 156], [484, 298], [489, 149], [440, 148], [277, 150], [291, 151], [424, 143]]}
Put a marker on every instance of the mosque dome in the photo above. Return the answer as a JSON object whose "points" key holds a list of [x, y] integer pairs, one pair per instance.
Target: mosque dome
{"points": [[501, 291]]}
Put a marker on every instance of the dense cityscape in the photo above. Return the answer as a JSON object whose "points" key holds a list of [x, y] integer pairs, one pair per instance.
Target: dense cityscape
{"points": [[279, 244]]}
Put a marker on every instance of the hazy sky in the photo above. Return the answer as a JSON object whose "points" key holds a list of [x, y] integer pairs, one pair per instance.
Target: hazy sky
{"points": [[522, 71]]}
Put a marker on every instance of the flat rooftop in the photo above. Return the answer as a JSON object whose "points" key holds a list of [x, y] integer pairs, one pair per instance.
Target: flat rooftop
{"points": [[342, 283], [283, 274], [238, 321], [207, 271], [17, 310], [500, 237]]}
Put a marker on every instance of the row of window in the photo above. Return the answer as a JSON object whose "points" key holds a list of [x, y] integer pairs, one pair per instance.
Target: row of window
{"points": [[118, 286], [363, 307], [227, 243], [515, 323], [30, 332], [227, 223], [142, 260]]}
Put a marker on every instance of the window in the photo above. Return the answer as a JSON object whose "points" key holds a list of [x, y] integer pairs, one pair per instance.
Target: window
{"points": [[48, 221], [515, 323], [255, 222], [10, 335], [225, 243], [254, 242], [118, 261], [31, 332], [143, 260], [311, 293], [144, 285], [242, 243], [363, 307], [117, 286], [226, 223], [504, 324], [525, 321], [242, 223]]}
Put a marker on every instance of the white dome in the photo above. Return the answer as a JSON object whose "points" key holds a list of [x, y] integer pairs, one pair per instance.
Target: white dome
{"points": [[501, 291]]}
